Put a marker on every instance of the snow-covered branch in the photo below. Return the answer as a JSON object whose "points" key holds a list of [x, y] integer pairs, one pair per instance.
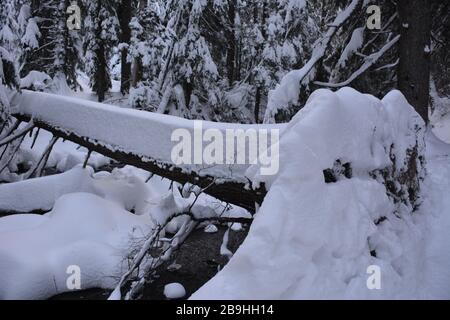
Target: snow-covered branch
{"points": [[370, 61], [288, 90]]}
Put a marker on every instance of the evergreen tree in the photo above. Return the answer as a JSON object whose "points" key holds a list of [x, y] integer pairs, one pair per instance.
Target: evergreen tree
{"points": [[8, 78], [101, 26], [54, 49], [150, 42], [124, 12], [65, 51], [194, 73], [19, 32]]}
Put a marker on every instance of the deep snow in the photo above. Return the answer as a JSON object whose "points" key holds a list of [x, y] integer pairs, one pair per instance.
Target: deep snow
{"points": [[437, 271], [309, 239], [89, 225], [82, 230], [312, 240]]}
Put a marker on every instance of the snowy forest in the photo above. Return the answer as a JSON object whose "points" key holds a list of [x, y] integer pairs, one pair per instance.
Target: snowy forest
{"points": [[224, 149]]}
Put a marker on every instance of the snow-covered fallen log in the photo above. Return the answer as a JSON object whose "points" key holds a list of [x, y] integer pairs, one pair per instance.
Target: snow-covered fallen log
{"points": [[345, 202], [138, 138]]}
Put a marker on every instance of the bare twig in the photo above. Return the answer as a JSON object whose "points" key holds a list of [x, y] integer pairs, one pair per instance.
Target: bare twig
{"points": [[12, 154], [35, 137], [37, 169], [10, 129], [17, 135], [86, 160]]}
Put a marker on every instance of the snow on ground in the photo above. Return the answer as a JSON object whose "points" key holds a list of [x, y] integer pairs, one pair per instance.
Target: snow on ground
{"points": [[40, 194], [314, 240], [35, 80], [65, 154], [89, 225], [438, 207], [440, 118], [126, 187], [114, 96], [441, 128], [82, 230]]}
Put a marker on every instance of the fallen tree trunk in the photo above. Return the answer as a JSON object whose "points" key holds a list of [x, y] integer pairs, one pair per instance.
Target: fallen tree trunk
{"points": [[232, 192]]}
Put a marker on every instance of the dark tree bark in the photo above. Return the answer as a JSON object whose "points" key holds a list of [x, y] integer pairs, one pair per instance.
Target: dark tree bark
{"points": [[414, 52], [231, 37], [124, 14], [38, 58], [136, 71], [188, 88], [259, 17], [230, 191], [257, 103], [101, 74]]}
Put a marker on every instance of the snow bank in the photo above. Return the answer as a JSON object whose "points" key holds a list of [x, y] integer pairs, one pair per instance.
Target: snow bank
{"points": [[82, 230], [41, 193], [441, 128], [437, 206], [174, 291], [313, 239], [35, 80], [128, 191], [440, 118], [127, 187]]}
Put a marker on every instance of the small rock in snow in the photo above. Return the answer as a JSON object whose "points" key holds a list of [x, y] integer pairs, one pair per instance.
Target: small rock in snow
{"points": [[174, 267], [211, 228], [174, 291]]}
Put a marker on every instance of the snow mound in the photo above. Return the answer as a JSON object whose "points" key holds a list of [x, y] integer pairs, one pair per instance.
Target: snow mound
{"points": [[41, 193], [126, 190], [82, 230], [35, 80], [174, 291], [441, 128], [340, 204]]}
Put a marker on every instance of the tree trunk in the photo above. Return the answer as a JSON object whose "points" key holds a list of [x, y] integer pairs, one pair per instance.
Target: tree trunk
{"points": [[124, 15], [414, 53], [228, 190], [101, 73], [136, 72], [257, 103], [259, 17], [231, 54]]}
